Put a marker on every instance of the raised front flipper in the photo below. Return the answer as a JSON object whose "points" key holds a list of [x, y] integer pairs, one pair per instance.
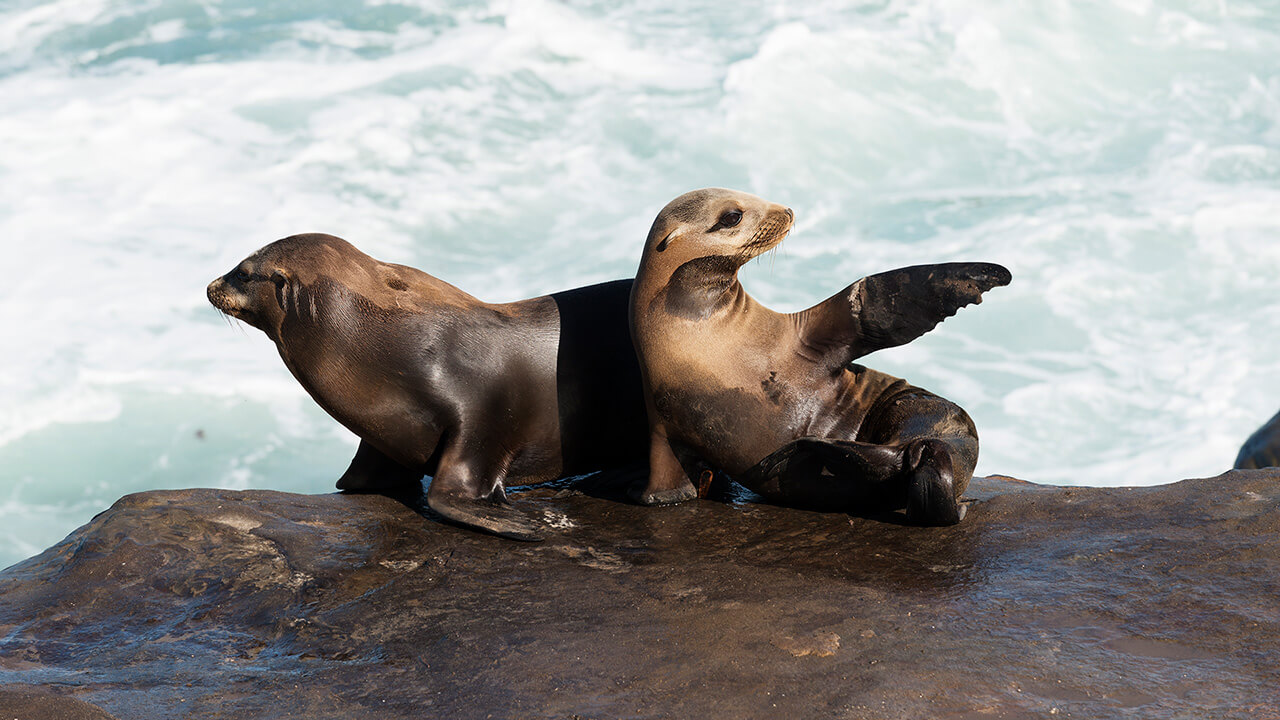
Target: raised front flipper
{"points": [[892, 308], [467, 489], [372, 471]]}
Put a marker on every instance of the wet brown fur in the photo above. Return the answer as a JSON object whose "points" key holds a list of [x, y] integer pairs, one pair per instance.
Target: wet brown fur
{"points": [[435, 382], [728, 381]]}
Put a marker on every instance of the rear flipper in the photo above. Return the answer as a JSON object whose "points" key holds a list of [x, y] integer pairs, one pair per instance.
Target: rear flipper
{"points": [[826, 474], [862, 477], [931, 485], [372, 471]]}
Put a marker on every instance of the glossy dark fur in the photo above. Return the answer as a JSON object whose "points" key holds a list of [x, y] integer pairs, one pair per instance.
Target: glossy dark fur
{"points": [[774, 399], [435, 382], [1262, 449]]}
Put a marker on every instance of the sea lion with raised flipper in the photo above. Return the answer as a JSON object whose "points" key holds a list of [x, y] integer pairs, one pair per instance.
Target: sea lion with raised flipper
{"points": [[435, 382], [774, 399]]}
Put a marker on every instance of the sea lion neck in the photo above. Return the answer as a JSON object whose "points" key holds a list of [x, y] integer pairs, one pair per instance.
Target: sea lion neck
{"points": [[703, 286], [322, 345]]}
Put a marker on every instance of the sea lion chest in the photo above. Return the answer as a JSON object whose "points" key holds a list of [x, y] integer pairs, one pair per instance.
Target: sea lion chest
{"points": [[731, 388]]}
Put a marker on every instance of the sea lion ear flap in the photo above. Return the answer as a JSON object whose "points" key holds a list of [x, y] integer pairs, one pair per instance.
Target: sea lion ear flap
{"points": [[893, 308], [281, 281], [665, 241]]}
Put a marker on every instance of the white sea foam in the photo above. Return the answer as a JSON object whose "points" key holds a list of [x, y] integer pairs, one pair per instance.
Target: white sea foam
{"points": [[1121, 158]]}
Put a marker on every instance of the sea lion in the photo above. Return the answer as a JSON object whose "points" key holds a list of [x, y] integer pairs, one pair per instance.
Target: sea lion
{"points": [[435, 382], [775, 400], [1262, 449]]}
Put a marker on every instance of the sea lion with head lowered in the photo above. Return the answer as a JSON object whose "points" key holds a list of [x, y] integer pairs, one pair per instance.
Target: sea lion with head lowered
{"points": [[774, 399], [435, 382]]}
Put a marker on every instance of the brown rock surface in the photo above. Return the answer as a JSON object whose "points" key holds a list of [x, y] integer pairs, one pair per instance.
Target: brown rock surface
{"points": [[1157, 602]]}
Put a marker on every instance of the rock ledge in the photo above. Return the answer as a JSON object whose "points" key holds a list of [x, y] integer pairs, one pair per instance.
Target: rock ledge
{"points": [[1156, 602]]}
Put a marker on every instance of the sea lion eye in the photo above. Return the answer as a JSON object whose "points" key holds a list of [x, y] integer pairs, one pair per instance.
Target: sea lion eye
{"points": [[729, 219], [243, 276]]}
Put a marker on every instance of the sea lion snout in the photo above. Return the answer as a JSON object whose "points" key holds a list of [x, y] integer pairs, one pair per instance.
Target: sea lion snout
{"points": [[217, 294], [234, 294], [228, 294], [772, 230]]}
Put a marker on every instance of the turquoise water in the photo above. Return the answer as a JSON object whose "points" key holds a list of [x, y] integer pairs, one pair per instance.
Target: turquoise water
{"points": [[1122, 159]]}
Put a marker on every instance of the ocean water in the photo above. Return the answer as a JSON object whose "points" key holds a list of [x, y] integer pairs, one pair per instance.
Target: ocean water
{"points": [[1121, 158]]}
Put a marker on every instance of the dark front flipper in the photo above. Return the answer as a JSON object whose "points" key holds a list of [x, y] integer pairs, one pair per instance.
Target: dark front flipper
{"points": [[491, 516], [667, 483], [467, 489], [892, 308], [372, 471]]}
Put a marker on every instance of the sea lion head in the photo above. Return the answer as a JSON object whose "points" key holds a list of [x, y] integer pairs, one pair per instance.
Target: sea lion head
{"points": [[281, 279], [714, 222]]}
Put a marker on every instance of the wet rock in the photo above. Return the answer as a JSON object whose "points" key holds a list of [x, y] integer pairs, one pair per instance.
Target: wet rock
{"points": [[38, 703], [1068, 602]]}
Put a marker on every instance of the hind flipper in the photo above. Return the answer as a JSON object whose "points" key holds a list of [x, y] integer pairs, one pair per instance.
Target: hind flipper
{"points": [[931, 486], [827, 474], [844, 475]]}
